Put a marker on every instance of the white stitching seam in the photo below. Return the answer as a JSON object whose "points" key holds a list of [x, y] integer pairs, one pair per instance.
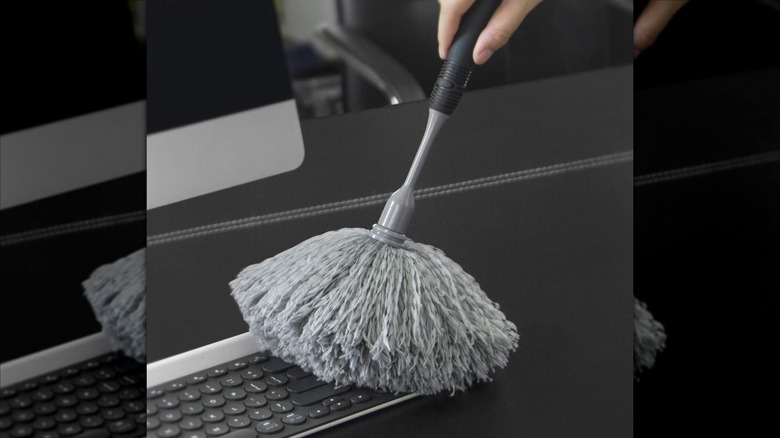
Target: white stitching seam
{"points": [[367, 201], [72, 227], [703, 169]]}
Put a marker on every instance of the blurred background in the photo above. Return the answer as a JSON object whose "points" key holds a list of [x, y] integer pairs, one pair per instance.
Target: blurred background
{"points": [[350, 55]]}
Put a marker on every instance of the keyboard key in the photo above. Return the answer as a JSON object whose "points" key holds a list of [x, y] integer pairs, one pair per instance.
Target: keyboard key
{"points": [[318, 394], [213, 401], [84, 381], [29, 386], [175, 386], [330, 400], [168, 402], [111, 357], [108, 401], [87, 394], [134, 406], [154, 393], [276, 365], [231, 382], [260, 414], [7, 393], [255, 402], [216, 429], [140, 418], [87, 408], [235, 394], [44, 408], [152, 423], [189, 395], [296, 373], [194, 380], [66, 401], [281, 406], [63, 388], [21, 402], [340, 406], [197, 434], [112, 414], [210, 388], [93, 433], [122, 426], [91, 421], [42, 394], [256, 387], [293, 418], [68, 372], [129, 394], [217, 372], [269, 426], [319, 412], [238, 365], [234, 409], [6, 423], [192, 423], [5, 408], [258, 358], [91, 365], [69, 429], [276, 380], [305, 384], [360, 398], [108, 387], [239, 422], [213, 416], [53, 378], [253, 374], [23, 416], [105, 374], [169, 416], [276, 394], [130, 380], [22, 430], [170, 430], [43, 423], [191, 409], [241, 433]]}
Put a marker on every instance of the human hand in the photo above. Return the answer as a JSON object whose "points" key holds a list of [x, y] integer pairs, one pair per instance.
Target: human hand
{"points": [[652, 22], [502, 25]]}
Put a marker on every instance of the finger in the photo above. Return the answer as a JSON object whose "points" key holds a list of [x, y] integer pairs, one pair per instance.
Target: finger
{"points": [[652, 22], [502, 25], [449, 19]]}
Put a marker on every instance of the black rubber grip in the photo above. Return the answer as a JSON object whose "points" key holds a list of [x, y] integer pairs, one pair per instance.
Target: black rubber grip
{"points": [[455, 73]]}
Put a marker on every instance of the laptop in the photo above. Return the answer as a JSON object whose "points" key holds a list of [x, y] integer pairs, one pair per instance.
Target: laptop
{"points": [[230, 122], [71, 200]]}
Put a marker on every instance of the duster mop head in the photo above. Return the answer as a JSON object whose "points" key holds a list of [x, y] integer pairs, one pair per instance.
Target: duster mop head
{"points": [[649, 338], [354, 310], [117, 293]]}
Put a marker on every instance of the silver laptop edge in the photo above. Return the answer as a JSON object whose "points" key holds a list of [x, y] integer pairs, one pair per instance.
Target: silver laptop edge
{"points": [[45, 361]]}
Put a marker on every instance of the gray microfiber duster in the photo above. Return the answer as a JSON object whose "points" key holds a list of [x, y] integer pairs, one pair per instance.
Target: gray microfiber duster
{"points": [[352, 309], [649, 338], [373, 308], [117, 293]]}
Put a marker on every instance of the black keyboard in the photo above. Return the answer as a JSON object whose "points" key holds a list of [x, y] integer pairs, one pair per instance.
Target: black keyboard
{"points": [[256, 395], [100, 397]]}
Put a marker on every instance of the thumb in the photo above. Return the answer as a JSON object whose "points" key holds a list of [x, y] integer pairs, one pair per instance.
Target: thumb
{"points": [[652, 22]]}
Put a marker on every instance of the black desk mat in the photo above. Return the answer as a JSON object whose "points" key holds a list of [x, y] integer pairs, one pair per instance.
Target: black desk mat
{"points": [[555, 251]]}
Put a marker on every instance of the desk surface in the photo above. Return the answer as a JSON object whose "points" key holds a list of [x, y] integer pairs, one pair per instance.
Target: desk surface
{"points": [[554, 250]]}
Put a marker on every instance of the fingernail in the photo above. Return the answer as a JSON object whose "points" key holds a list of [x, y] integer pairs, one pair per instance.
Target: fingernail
{"points": [[441, 52], [483, 56], [636, 53]]}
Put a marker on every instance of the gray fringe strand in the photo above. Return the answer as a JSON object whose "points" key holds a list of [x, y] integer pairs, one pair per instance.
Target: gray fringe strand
{"points": [[649, 338], [353, 310], [117, 293]]}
